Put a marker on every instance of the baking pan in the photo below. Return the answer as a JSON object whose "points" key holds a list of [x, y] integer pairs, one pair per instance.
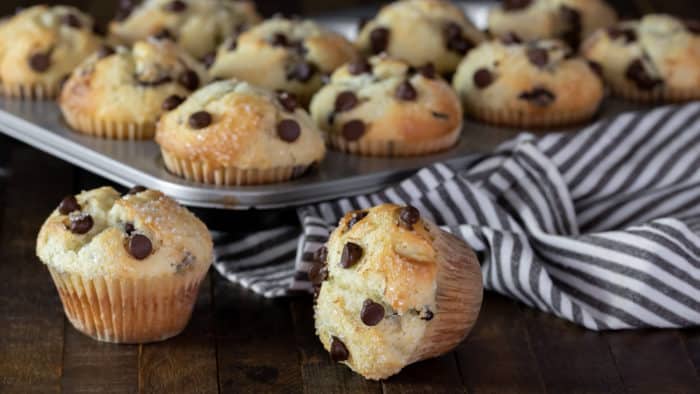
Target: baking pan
{"points": [[40, 124]]}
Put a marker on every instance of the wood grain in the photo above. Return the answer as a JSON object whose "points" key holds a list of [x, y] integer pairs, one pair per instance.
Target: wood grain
{"points": [[691, 340]]}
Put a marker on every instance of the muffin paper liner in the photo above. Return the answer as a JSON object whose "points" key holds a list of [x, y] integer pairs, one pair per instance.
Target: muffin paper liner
{"points": [[37, 91], [518, 118], [104, 128], [458, 296], [229, 176], [386, 148], [127, 310]]}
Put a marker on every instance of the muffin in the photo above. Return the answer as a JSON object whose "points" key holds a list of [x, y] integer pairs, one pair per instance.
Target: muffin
{"points": [[383, 107], [198, 26], [40, 46], [127, 268], [537, 84], [653, 59], [232, 133], [569, 20], [421, 32], [394, 289], [119, 92], [283, 54]]}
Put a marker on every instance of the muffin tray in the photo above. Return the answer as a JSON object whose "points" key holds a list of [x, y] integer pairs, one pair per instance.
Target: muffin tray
{"points": [[41, 125]]}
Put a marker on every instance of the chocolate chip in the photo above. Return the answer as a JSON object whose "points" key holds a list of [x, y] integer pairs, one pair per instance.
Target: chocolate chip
{"points": [[288, 130], [318, 274], [302, 71], [279, 40], [139, 246], [512, 5], [171, 102], [176, 6], [572, 19], [289, 101], [637, 73], [164, 34], [360, 66], [379, 39], [356, 217], [40, 62], [81, 224], [482, 78], [427, 71], [693, 25], [408, 216], [352, 253], [200, 120], [428, 315], [454, 40], [406, 92], [105, 51], [129, 228], [539, 96], [353, 130], [136, 190], [372, 313], [537, 56], [596, 67], [511, 38], [452, 30], [189, 80], [629, 35], [339, 352], [345, 101], [321, 254], [71, 20], [68, 204], [208, 59]]}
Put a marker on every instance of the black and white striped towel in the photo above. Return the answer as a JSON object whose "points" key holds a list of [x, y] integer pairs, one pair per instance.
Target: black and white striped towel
{"points": [[599, 227]]}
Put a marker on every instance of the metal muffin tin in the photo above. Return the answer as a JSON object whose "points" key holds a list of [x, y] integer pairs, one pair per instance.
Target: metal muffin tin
{"points": [[41, 125]]}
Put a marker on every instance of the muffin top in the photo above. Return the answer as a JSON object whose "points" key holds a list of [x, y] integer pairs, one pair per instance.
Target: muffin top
{"points": [[283, 54], [536, 77], [132, 85], [384, 99], [234, 124], [421, 32], [649, 54], [139, 235], [41, 45], [197, 25], [569, 20]]}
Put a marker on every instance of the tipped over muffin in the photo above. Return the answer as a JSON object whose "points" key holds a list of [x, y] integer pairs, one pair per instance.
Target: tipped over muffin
{"points": [[127, 268], [384, 107], [421, 32], [535, 84], [233, 133], [40, 46], [394, 289], [120, 92]]}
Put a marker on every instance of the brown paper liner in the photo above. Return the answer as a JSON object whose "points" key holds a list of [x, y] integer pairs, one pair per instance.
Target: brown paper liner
{"points": [[228, 176], [458, 297], [105, 128], [663, 94], [127, 310], [384, 148], [517, 118], [36, 91]]}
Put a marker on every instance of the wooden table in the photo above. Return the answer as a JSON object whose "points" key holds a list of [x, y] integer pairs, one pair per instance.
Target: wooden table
{"points": [[238, 342]]}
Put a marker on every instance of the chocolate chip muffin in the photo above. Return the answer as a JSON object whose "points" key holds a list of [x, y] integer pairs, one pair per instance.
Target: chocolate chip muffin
{"points": [[394, 289], [232, 133], [537, 84], [198, 26], [384, 107], [120, 92], [40, 46], [283, 54], [656, 58], [569, 20], [421, 32], [127, 268]]}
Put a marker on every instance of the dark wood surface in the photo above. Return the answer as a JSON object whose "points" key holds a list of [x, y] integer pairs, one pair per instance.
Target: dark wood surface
{"points": [[239, 342]]}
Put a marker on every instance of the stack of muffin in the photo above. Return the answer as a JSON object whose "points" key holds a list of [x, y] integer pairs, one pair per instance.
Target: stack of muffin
{"points": [[226, 95]]}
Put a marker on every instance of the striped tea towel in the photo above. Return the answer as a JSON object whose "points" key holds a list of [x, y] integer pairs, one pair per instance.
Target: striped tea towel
{"points": [[599, 227]]}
